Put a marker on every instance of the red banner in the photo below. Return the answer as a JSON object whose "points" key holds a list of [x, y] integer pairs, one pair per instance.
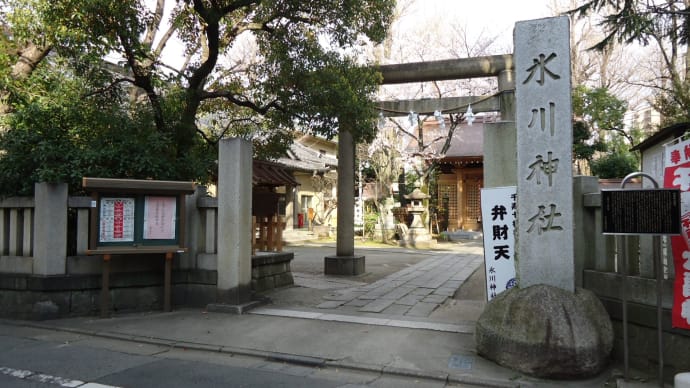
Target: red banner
{"points": [[677, 175], [118, 220]]}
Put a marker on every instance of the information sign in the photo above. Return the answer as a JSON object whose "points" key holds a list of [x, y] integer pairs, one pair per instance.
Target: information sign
{"points": [[136, 216], [159, 218], [116, 220], [645, 211]]}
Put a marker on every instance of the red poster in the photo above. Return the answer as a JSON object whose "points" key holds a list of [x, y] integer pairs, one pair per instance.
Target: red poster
{"points": [[118, 220], [677, 175]]}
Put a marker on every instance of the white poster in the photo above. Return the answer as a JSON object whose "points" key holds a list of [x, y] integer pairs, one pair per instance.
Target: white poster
{"points": [[117, 220], [498, 219], [159, 218]]}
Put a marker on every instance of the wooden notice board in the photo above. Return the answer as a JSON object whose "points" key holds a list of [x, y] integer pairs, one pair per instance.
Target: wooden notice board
{"points": [[131, 216]]}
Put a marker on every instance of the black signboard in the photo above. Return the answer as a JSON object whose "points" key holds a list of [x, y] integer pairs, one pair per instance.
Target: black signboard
{"points": [[646, 211]]}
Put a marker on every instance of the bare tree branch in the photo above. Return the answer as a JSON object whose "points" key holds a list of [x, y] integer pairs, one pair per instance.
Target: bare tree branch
{"points": [[241, 101], [154, 25], [109, 87]]}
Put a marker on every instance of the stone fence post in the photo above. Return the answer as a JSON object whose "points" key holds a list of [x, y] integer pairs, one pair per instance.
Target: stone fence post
{"points": [[584, 222], [50, 228], [234, 221]]}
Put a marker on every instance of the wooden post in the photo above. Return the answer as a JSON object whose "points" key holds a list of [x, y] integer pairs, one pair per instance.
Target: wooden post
{"points": [[166, 282], [105, 287], [253, 235], [271, 235], [279, 235], [264, 233]]}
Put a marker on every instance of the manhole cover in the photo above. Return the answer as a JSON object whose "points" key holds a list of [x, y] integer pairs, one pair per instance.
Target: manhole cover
{"points": [[460, 362]]}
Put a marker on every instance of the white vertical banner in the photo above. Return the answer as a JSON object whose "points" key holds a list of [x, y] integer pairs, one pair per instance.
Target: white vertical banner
{"points": [[498, 224], [359, 216]]}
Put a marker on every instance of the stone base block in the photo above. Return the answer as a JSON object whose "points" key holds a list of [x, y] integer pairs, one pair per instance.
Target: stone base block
{"points": [[419, 244], [344, 265], [271, 270], [233, 308], [546, 332]]}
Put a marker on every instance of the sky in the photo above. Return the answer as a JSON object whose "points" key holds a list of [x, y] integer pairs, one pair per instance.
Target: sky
{"points": [[495, 16], [425, 29], [483, 17]]}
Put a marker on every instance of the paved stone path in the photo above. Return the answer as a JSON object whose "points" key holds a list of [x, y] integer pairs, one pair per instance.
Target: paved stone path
{"points": [[414, 292], [323, 282], [404, 299]]}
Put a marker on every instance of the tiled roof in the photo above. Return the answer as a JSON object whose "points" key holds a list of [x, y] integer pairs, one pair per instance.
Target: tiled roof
{"points": [[467, 140], [303, 158]]}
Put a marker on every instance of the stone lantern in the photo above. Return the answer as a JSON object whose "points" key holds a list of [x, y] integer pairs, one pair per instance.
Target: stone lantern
{"points": [[418, 236], [416, 208]]}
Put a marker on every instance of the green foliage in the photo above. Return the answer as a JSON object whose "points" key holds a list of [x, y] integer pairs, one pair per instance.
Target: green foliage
{"points": [[673, 107], [614, 165], [303, 73], [598, 116], [61, 136], [664, 23], [584, 147], [598, 107], [370, 221], [619, 161], [639, 21], [328, 90]]}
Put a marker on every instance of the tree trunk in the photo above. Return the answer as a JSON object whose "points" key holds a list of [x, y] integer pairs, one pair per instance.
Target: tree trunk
{"points": [[28, 58]]}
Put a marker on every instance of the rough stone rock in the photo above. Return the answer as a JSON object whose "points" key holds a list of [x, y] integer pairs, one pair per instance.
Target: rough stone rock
{"points": [[547, 332]]}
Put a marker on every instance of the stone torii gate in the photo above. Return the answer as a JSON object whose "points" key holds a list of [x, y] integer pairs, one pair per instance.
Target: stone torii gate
{"points": [[234, 189], [499, 139]]}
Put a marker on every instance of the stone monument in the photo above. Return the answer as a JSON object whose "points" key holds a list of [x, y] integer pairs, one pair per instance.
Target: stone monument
{"points": [[544, 151], [545, 327]]}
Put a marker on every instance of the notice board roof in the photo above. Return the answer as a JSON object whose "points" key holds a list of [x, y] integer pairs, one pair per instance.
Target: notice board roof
{"points": [[137, 185]]}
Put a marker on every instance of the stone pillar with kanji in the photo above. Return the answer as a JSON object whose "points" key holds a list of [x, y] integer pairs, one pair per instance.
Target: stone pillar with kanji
{"points": [[545, 327]]}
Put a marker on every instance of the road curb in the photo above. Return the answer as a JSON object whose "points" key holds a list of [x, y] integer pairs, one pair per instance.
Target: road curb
{"points": [[288, 358]]}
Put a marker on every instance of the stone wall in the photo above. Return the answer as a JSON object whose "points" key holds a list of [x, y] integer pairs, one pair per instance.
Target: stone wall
{"points": [[642, 339], [33, 297]]}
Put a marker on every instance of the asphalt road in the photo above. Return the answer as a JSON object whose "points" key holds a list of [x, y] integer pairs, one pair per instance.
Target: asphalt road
{"points": [[43, 358]]}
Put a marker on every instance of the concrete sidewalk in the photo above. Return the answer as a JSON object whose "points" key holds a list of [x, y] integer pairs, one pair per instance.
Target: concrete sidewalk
{"points": [[417, 353], [301, 326]]}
